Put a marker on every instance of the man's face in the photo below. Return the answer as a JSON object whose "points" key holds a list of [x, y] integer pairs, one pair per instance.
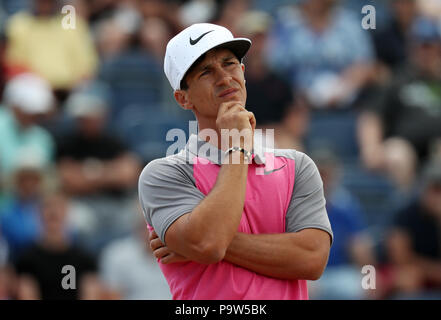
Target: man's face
{"points": [[92, 125], [24, 119], [54, 213], [218, 78], [405, 10], [427, 57], [28, 183]]}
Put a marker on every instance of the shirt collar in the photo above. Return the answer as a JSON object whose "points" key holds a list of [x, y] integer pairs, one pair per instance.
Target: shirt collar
{"points": [[200, 148]]}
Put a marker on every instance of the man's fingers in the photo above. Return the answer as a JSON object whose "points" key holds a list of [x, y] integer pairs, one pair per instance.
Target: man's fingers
{"points": [[152, 235], [227, 106], [156, 243], [252, 120], [235, 108], [161, 252], [172, 258], [234, 112], [223, 108], [168, 259]]}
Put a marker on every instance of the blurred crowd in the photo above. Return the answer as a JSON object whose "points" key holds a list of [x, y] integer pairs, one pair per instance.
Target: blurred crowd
{"points": [[84, 105]]}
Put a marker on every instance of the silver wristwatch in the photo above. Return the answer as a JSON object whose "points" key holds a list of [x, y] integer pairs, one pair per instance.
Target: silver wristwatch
{"points": [[247, 154]]}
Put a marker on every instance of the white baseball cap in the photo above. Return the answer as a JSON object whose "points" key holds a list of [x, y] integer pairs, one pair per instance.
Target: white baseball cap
{"points": [[191, 43], [85, 104], [30, 93]]}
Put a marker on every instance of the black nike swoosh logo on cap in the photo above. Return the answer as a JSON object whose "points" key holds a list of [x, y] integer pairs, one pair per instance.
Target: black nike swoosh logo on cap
{"points": [[193, 42], [271, 171]]}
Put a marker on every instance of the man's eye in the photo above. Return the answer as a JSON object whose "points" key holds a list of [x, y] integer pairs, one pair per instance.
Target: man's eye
{"points": [[205, 73]]}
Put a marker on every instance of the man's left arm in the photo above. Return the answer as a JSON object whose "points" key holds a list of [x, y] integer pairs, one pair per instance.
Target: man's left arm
{"points": [[302, 252], [296, 255]]}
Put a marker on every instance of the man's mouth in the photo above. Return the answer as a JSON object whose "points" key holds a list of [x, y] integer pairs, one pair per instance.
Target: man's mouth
{"points": [[228, 93]]}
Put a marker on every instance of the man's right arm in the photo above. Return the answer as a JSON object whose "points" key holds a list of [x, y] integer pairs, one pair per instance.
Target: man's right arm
{"points": [[204, 234]]}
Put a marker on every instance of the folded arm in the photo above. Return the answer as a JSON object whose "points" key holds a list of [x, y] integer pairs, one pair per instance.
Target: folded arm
{"points": [[297, 255], [294, 255], [204, 234], [291, 255]]}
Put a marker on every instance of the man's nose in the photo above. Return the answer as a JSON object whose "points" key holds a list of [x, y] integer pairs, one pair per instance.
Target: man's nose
{"points": [[222, 77]]}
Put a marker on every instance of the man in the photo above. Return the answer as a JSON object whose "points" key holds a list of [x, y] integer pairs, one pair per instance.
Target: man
{"points": [[38, 266], [320, 47], [97, 169], [413, 246], [20, 218], [38, 42], [228, 224], [130, 270], [26, 100], [391, 42], [399, 132]]}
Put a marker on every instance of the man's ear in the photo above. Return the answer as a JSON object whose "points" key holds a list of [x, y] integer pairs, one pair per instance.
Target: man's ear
{"points": [[181, 97]]}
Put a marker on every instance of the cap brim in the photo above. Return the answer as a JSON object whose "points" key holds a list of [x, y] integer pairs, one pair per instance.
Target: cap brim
{"points": [[239, 46]]}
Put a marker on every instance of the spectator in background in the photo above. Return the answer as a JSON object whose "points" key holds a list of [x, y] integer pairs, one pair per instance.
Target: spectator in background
{"points": [[100, 9], [131, 68], [401, 130], [353, 247], [414, 248], [20, 219], [270, 97], [37, 268], [26, 99], [397, 33], [391, 43], [130, 270], [430, 8], [230, 13], [111, 39], [96, 168], [37, 41], [166, 10], [197, 11], [90, 141], [153, 33], [321, 49]]}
